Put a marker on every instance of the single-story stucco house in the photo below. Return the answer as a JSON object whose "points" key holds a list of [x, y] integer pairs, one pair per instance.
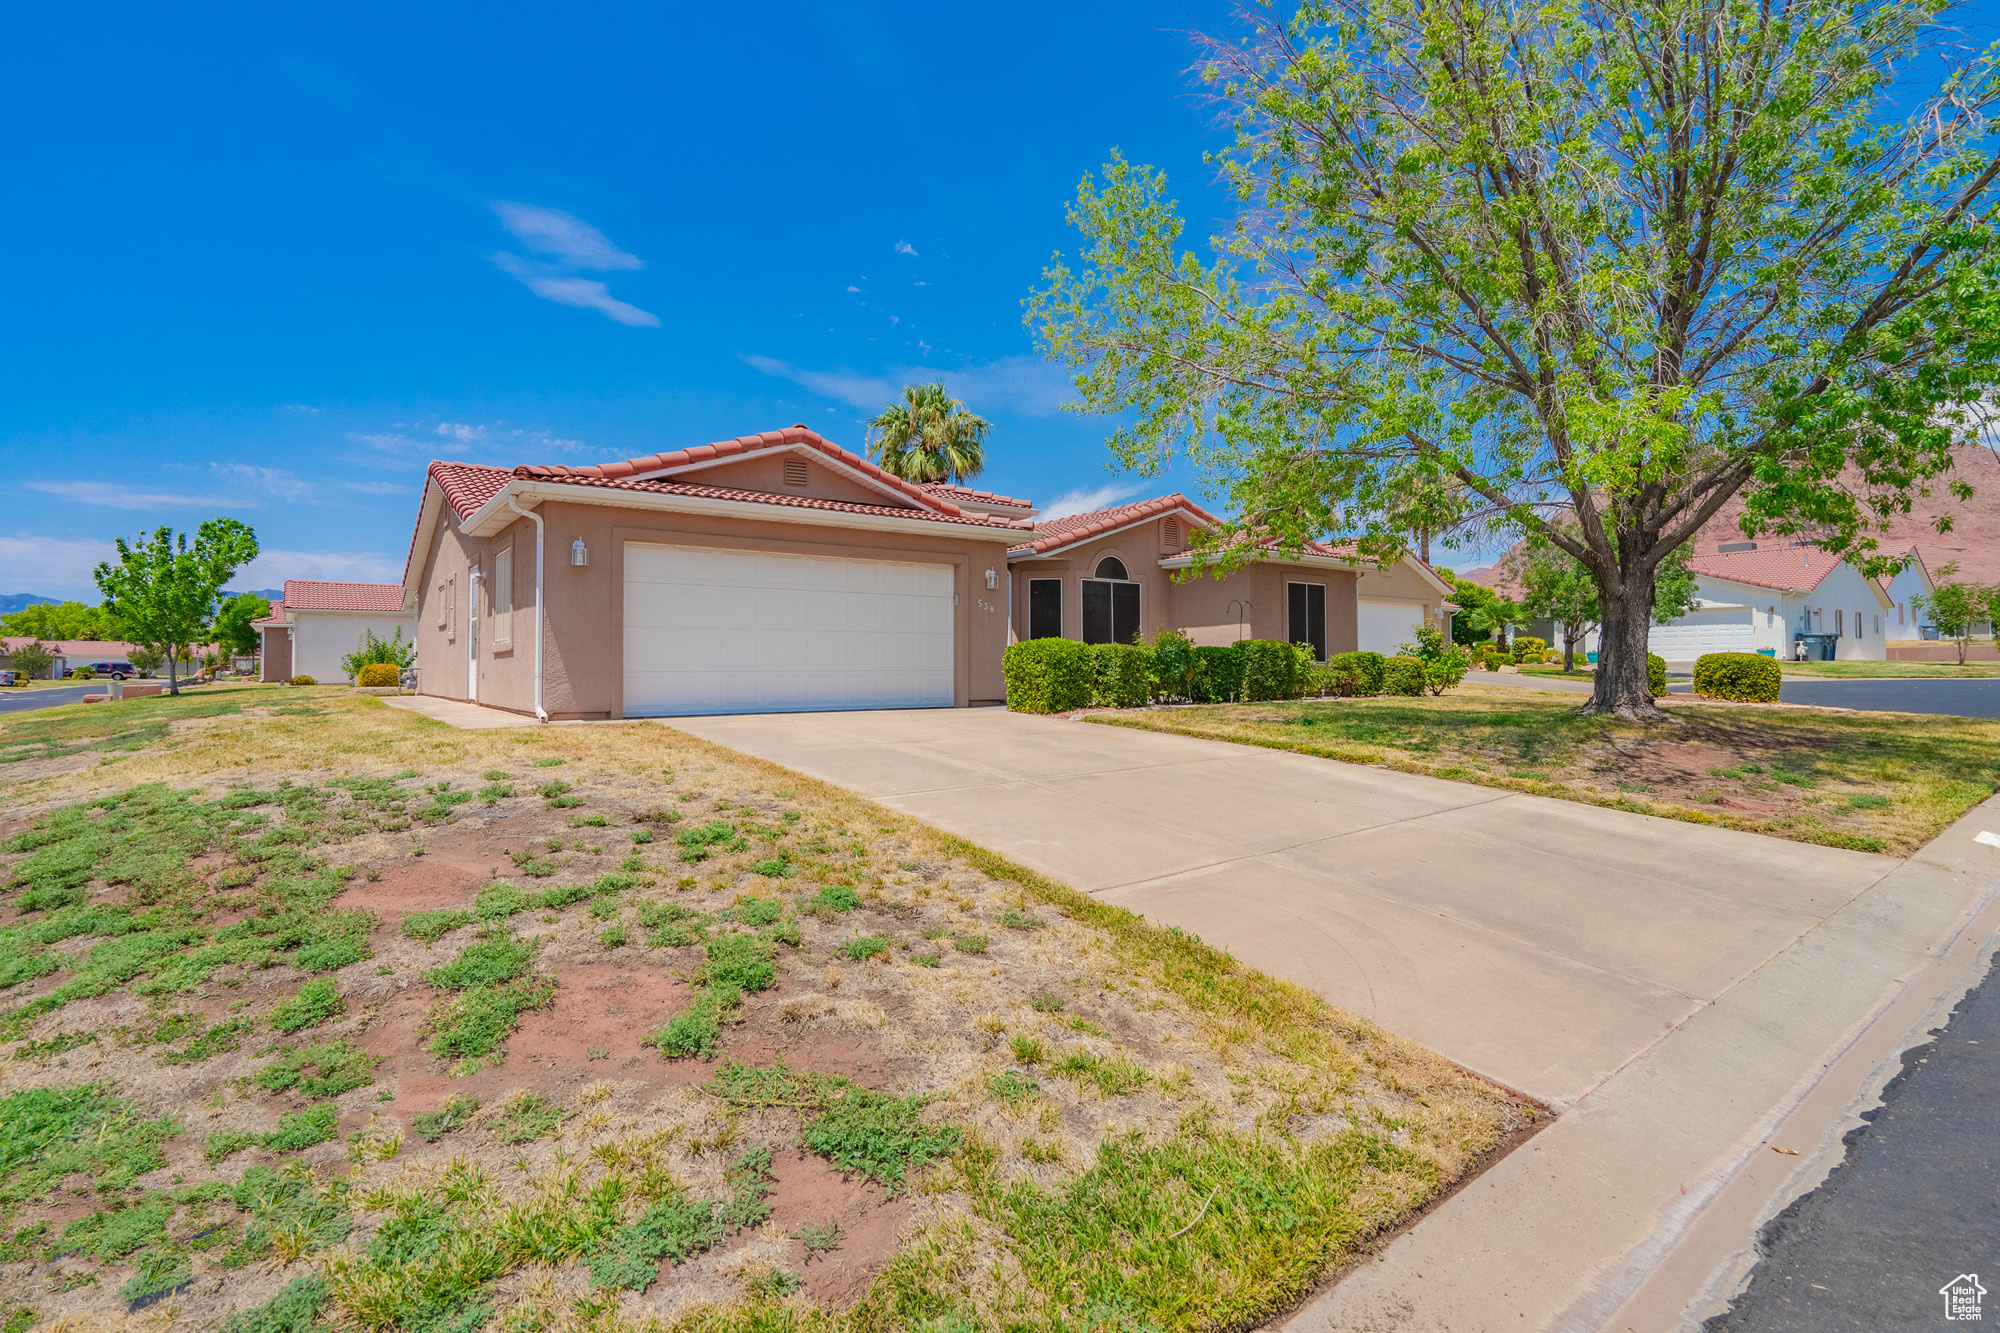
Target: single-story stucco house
{"points": [[318, 622], [780, 572], [1764, 599], [1106, 575]]}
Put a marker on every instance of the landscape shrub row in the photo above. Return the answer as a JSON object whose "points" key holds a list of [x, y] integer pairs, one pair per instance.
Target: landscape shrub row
{"points": [[1058, 675], [1747, 677]]}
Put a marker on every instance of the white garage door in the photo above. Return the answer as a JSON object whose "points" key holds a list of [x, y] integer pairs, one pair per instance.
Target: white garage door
{"points": [[1722, 629], [716, 631], [1383, 627]]}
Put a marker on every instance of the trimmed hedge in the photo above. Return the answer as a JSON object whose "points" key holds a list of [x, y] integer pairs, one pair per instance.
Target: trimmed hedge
{"points": [[1358, 673], [1273, 670], [1656, 674], [1529, 649], [304, 680], [1218, 675], [1173, 665], [1048, 675], [1403, 676], [1122, 675], [379, 673], [1746, 677]]}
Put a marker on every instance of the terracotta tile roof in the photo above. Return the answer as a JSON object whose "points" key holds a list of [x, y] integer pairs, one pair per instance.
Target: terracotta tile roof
{"points": [[938, 515], [277, 616], [1055, 533], [312, 595], [742, 444], [466, 486], [968, 495], [1780, 567]]}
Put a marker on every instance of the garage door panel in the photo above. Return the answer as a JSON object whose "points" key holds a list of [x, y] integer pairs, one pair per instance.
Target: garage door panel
{"points": [[1382, 627], [710, 630]]}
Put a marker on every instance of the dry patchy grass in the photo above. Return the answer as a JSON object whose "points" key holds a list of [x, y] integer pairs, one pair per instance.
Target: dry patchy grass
{"points": [[1879, 782], [941, 1090]]}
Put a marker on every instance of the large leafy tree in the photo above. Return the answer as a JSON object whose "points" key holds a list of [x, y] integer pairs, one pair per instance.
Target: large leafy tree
{"points": [[1596, 268], [929, 436], [164, 587]]}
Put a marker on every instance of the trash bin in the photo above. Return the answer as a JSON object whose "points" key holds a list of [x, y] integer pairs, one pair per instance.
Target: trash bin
{"points": [[1819, 647]]}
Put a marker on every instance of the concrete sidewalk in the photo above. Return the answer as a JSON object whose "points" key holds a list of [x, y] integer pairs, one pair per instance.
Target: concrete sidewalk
{"points": [[452, 712], [1684, 993]]}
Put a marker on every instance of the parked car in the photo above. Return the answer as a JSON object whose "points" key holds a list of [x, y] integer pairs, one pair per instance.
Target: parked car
{"points": [[11, 678], [115, 670]]}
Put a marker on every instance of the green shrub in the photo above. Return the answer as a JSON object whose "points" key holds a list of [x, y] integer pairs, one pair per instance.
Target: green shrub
{"points": [[84, 673], [1218, 675], [1403, 676], [304, 680], [1656, 674], [1357, 673], [1048, 675], [1122, 675], [1173, 665], [1747, 677], [1528, 649], [377, 674], [1273, 670]]}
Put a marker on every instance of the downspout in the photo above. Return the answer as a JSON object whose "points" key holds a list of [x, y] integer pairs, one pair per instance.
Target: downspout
{"points": [[541, 535]]}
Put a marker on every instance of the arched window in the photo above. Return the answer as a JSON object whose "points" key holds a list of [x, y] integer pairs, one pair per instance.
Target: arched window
{"points": [[1111, 567], [1110, 604]]}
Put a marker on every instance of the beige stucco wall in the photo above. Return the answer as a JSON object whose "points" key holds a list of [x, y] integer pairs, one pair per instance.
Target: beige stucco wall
{"points": [[1204, 606], [583, 668]]}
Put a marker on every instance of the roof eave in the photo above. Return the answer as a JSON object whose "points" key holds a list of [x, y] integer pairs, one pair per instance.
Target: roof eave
{"points": [[494, 515]]}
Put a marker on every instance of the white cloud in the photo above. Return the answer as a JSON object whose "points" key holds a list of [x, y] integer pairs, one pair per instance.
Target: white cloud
{"points": [[563, 237], [271, 568], [461, 431], [1019, 384], [307, 408], [584, 293], [843, 386], [113, 496], [905, 248], [375, 488], [52, 567], [237, 478], [852, 288], [1082, 501]]}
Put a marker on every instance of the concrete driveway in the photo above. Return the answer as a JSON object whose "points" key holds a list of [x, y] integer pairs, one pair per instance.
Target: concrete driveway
{"points": [[1684, 993]]}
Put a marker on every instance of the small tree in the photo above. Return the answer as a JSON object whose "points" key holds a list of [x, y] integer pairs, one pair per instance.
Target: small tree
{"points": [[1445, 664], [373, 649], [1556, 586], [145, 660], [232, 623], [32, 659], [1956, 607], [164, 588]]}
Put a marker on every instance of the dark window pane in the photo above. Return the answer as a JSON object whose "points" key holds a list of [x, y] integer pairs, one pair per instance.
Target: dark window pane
{"points": [[1045, 608], [1295, 612], [1124, 612], [1111, 567], [1097, 611], [1305, 616]]}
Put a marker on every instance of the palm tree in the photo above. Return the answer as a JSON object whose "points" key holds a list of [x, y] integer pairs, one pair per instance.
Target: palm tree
{"points": [[1497, 617], [929, 436]]}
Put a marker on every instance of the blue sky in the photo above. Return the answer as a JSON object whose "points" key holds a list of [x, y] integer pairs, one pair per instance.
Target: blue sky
{"points": [[270, 263]]}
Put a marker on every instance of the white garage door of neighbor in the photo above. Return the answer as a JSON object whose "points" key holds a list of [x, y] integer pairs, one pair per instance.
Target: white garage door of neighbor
{"points": [[1383, 627], [1723, 629], [720, 631]]}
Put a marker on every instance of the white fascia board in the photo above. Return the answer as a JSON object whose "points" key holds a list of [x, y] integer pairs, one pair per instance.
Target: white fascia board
{"points": [[805, 451], [420, 544], [493, 516]]}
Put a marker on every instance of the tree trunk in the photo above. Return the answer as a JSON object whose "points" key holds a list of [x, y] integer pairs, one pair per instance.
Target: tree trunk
{"points": [[1622, 688], [1569, 648], [173, 682]]}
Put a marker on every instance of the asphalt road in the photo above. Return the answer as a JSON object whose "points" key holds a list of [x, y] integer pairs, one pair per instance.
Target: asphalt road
{"points": [[27, 700], [1915, 1204], [1960, 698]]}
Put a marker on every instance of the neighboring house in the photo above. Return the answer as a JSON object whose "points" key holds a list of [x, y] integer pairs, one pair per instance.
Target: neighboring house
{"points": [[1767, 599], [71, 653], [769, 572], [1110, 574], [318, 623], [1910, 583]]}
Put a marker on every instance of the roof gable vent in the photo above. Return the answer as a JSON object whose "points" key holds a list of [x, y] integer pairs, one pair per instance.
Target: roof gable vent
{"points": [[1170, 535], [796, 472]]}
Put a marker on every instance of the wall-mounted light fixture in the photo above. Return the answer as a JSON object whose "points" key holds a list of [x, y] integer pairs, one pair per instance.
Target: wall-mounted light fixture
{"points": [[579, 554], [992, 579]]}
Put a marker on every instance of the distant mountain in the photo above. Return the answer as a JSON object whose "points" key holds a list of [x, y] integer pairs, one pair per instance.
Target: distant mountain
{"points": [[21, 601], [272, 593]]}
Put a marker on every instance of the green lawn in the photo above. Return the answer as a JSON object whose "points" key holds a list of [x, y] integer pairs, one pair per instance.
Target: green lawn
{"points": [[1887, 782], [1893, 670]]}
